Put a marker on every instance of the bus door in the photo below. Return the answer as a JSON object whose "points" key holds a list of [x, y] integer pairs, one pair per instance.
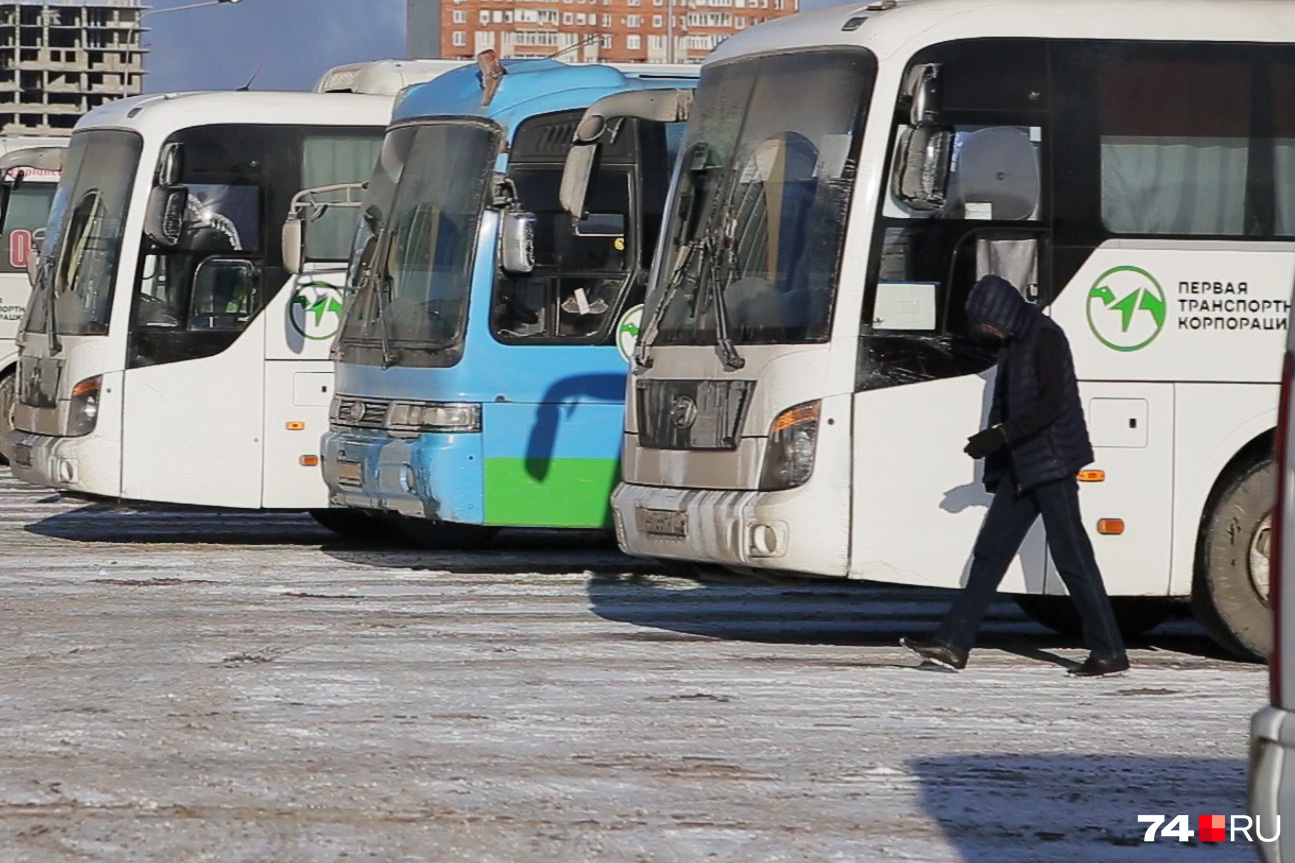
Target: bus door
{"points": [[302, 320], [192, 400], [966, 199]]}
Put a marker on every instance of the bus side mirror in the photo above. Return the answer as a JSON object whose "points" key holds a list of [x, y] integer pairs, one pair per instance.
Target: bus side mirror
{"points": [[6, 190], [922, 165], [517, 244], [922, 85], [164, 216], [294, 243], [580, 165]]}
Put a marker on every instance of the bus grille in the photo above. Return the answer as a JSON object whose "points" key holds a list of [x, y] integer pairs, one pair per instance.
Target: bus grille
{"points": [[359, 413], [705, 415]]}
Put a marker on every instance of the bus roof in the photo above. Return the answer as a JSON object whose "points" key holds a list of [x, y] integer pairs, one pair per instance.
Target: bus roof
{"points": [[900, 28], [163, 113], [382, 77], [530, 87]]}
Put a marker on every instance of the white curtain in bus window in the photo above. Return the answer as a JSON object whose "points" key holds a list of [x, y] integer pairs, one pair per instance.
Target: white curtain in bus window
{"points": [[1175, 146], [1283, 132], [328, 160]]}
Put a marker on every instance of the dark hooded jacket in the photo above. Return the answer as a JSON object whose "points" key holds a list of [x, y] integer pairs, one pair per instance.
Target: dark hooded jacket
{"points": [[1036, 394]]}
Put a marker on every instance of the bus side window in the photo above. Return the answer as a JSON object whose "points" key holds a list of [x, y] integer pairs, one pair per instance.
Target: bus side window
{"points": [[580, 266], [990, 223]]}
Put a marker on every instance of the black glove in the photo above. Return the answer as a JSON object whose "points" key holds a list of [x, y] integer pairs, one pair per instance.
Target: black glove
{"points": [[983, 443]]}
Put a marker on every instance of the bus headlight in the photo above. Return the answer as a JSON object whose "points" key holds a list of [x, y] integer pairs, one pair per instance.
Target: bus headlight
{"points": [[789, 455], [83, 407], [434, 417]]}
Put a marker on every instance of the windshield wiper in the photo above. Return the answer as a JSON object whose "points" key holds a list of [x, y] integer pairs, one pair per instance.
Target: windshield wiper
{"points": [[384, 301], [643, 359], [722, 267]]}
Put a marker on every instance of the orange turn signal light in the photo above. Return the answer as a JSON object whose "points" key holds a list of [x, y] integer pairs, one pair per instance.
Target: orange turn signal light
{"points": [[309, 461], [793, 417], [1092, 476], [295, 426], [1110, 526]]}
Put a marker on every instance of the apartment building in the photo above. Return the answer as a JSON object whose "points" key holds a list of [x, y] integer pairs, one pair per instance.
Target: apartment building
{"points": [[609, 31], [60, 59]]}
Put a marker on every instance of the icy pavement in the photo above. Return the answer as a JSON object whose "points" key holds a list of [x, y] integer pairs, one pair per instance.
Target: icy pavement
{"points": [[218, 687]]}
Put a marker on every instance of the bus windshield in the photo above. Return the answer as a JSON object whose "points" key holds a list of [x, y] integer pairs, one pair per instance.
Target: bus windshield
{"points": [[416, 296], [762, 199], [83, 238]]}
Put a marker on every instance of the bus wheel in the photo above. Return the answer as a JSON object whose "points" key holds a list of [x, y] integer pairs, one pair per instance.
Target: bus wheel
{"points": [[446, 535], [1134, 615], [354, 523], [1230, 593], [8, 393]]}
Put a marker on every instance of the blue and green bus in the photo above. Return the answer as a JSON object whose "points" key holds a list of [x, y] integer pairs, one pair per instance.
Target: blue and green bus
{"points": [[482, 357]]}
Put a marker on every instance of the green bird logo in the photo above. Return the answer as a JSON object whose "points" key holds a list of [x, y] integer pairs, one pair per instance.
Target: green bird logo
{"points": [[316, 311], [1126, 308], [627, 331]]}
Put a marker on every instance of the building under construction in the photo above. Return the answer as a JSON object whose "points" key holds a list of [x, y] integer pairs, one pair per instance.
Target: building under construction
{"points": [[60, 59]]}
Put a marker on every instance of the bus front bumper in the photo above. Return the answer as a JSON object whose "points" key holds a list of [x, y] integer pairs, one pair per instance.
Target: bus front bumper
{"points": [[773, 530], [433, 476], [74, 464], [1272, 780]]}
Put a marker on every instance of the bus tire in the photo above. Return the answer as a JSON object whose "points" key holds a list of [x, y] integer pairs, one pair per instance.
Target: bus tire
{"points": [[1230, 589], [8, 395], [445, 535], [1135, 615], [354, 523]]}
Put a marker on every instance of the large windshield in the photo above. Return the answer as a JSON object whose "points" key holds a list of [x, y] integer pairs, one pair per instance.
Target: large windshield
{"points": [[83, 239], [762, 199], [416, 296]]}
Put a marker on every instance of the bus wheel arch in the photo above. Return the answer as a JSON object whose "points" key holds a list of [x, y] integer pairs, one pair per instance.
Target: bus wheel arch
{"points": [[1230, 571], [8, 395]]}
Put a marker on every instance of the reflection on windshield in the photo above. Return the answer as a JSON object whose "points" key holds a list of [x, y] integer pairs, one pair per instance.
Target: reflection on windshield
{"points": [[83, 239], [763, 199], [417, 293]]}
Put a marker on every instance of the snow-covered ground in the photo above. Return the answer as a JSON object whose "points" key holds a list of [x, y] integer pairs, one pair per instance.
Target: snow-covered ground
{"points": [[190, 686]]}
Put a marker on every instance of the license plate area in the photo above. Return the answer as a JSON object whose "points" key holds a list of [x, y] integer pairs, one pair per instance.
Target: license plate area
{"points": [[350, 473], [663, 522], [22, 455]]}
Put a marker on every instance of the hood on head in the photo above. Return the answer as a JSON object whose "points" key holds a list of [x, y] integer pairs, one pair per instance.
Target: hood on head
{"points": [[995, 301]]}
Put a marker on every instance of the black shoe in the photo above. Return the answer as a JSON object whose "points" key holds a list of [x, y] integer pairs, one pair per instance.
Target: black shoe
{"points": [[937, 652], [1096, 666]]}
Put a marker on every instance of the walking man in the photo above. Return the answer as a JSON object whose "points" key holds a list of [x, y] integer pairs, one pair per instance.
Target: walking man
{"points": [[1035, 446]]}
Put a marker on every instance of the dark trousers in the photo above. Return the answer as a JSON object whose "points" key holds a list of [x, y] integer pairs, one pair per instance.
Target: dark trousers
{"points": [[1009, 519]]}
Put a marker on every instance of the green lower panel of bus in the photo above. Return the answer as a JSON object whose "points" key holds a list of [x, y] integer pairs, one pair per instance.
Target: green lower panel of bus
{"points": [[562, 492]]}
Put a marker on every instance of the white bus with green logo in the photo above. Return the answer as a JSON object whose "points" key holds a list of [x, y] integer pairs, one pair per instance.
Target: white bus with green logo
{"points": [[166, 353], [806, 380]]}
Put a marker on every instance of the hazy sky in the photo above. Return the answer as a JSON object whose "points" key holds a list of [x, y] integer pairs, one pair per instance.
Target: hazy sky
{"points": [[292, 41]]}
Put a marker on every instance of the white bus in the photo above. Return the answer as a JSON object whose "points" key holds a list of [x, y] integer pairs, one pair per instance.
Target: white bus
{"points": [[166, 353], [29, 172], [1128, 164]]}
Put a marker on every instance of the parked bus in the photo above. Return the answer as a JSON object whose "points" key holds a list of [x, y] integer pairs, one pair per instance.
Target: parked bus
{"points": [[166, 354], [481, 363], [805, 380], [29, 172]]}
